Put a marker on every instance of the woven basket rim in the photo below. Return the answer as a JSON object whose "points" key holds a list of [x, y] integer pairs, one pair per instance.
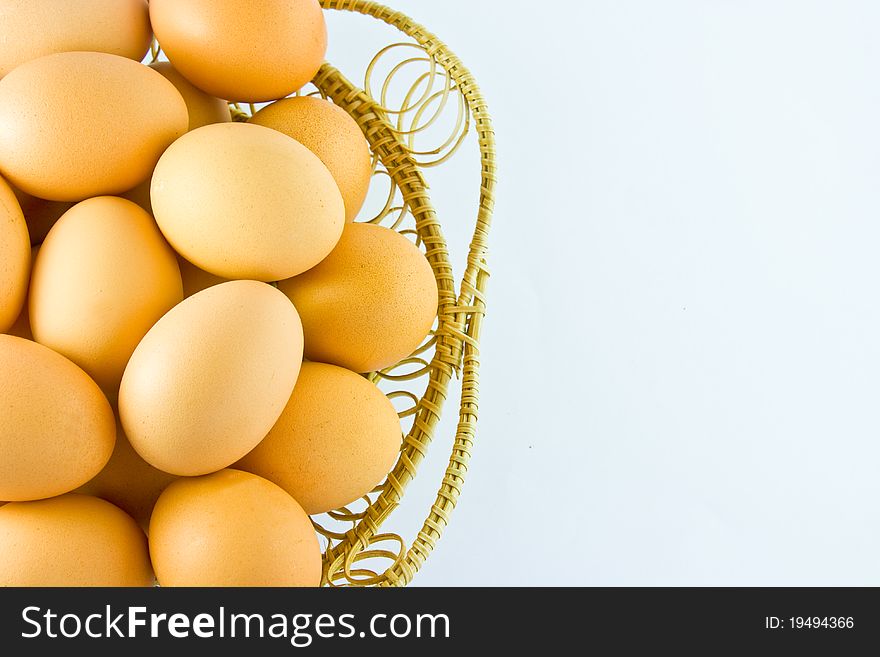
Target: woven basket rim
{"points": [[460, 314]]}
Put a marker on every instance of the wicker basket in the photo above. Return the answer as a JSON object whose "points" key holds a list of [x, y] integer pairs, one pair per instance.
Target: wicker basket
{"points": [[356, 552]]}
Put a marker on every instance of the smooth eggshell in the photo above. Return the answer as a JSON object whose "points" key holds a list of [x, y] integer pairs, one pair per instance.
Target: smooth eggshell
{"points": [[232, 528], [210, 379], [330, 133], [367, 305], [335, 441], [72, 540], [202, 108], [128, 481], [15, 257], [33, 28], [244, 201], [79, 124], [242, 50], [103, 277], [56, 429]]}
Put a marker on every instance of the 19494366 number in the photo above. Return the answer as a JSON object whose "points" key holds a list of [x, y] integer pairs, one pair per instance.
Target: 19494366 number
{"points": [[810, 622]]}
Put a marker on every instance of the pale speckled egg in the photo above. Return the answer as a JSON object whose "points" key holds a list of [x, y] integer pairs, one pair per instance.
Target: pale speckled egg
{"points": [[242, 50], [103, 277], [79, 124], [72, 540], [33, 28], [210, 379], [330, 133], [195, 279], [232, 528], [246, 202], [128, 481], [15, 257], [56, 430], [367, 305], [335, 441], [22, 325]]}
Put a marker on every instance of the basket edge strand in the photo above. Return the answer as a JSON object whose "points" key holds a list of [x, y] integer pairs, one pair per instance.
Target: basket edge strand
{"points": [[471, 302]]}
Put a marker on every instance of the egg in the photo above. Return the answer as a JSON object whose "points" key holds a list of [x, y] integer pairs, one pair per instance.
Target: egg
{"points": [[335, 441], [242, 50], [72, 540], [56, 429], [128, 481], [103, 277], [79, 124], [367, 305], [330, 133], [210, 379], [33, 28], [246, 202], [232, 528], [195, 279], [15, 257]]}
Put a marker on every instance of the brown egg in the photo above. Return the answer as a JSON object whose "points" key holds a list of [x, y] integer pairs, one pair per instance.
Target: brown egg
{"points": [[15, 257], [103, 277], [331, 134], [72, 540], [335, 441], [232, 528], [373, 319], [242, 50], [128, 481], [202, 108], [56, 428], [33, 28], [252, 188], [22, 326], [195, 279], [210, 379], [83, 124]]}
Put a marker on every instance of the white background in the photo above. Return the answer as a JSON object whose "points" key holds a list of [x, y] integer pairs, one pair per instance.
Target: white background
{"points": [[681, 360]]}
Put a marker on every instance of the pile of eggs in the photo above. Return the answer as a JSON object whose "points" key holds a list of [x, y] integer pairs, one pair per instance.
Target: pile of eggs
{"points": [[187, 306]]}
